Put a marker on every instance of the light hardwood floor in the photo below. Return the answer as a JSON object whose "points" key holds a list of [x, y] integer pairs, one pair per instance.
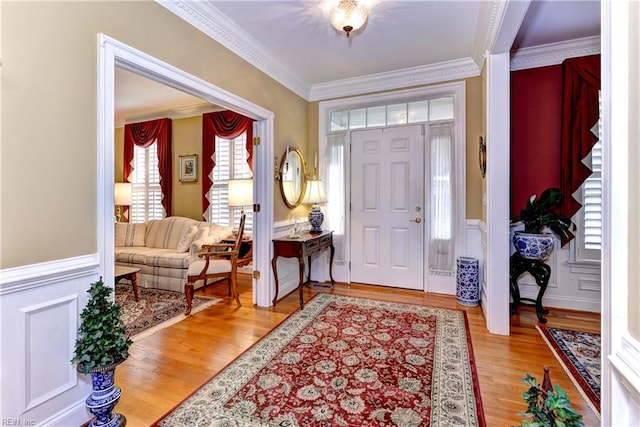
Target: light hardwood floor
{"points": [[164, 368]]}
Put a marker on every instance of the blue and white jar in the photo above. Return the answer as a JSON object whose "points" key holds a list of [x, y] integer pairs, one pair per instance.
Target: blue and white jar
{"points": [[468, 281]]}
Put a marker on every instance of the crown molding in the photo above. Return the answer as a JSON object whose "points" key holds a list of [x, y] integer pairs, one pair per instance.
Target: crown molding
{"points": [[172, 113], [208, 19], [205, 17], [487, 27], [415, 76], [553, 53]]}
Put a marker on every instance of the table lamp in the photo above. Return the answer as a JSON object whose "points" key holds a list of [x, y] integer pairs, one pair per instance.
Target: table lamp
{"points": [[121, 197], [240, 193], [315, 196]]}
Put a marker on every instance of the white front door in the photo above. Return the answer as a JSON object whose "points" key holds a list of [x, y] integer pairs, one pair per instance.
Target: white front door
{"points": [[387, 206]]}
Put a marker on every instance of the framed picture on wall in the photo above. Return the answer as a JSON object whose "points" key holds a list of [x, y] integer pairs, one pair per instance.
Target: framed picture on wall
{"points": [[189, 168]]}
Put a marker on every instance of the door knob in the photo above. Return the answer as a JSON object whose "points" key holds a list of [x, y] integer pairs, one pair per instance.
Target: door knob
{"points": [[417, 220]]}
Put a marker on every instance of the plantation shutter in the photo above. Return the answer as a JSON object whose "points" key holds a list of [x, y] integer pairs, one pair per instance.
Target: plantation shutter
{"points": [[593, 202], [231, 163], [146, 194], [219, 196], [590, 216]]}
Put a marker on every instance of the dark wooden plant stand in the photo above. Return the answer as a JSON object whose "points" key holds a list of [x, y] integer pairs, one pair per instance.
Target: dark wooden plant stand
{"points": [[540, 271]]}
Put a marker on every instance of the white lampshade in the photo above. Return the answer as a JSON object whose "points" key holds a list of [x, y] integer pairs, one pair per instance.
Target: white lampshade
{"points": [[315, 193], [122, 194], [348, 15], [240, 192]]}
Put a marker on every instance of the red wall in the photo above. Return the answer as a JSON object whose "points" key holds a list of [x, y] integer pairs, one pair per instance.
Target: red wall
{"points": [[536, 107]]}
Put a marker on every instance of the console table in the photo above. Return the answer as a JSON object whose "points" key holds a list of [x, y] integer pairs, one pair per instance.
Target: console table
{"points": [[305, 245], [540, 271]]}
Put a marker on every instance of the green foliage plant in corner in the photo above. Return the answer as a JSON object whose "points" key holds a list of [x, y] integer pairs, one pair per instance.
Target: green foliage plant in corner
{"points": [[540, 212], [550, 408], [102, 339]]}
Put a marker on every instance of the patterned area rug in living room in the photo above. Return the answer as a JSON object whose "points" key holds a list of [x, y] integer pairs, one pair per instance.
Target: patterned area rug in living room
{"points": [[155, 309], [579, 355], [345, 361]]}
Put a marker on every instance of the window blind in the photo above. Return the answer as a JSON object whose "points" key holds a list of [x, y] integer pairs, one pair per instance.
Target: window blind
{"points": [[231, 163], [146, 194], [592, 202]]}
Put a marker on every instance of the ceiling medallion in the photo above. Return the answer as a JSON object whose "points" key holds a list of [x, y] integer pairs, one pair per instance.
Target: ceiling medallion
{"points": [[348, 15]]}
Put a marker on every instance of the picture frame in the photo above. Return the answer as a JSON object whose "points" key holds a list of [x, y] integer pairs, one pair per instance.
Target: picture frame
{"points": [[189, 168]]}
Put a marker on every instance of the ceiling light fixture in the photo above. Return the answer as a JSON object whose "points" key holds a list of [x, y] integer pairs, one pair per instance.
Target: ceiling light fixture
{"points": [[348, 15]]}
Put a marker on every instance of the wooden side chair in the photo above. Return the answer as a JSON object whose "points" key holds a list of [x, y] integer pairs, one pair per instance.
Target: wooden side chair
{"points": [[219, 261]]}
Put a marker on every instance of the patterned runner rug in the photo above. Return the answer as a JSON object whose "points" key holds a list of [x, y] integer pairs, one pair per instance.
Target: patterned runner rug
{"points": [[579, 355], [345, 361], [155, 309]]}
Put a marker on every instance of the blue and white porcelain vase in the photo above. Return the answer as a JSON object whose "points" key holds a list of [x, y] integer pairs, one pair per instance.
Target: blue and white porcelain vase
{"points": [[532, 245], [104, 398], [468, 281], [316, 217]]}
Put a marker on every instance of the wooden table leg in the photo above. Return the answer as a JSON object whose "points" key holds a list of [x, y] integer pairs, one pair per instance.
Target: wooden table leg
{"points": [[333, 251], [275, 276], [301, 282], [134, 281]]}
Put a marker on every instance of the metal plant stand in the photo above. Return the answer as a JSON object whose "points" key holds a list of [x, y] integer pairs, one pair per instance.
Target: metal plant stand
{"points": [[540, 271]]}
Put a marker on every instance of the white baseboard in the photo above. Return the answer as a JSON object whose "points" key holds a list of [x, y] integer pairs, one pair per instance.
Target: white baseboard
{"points": [[566, 302]]}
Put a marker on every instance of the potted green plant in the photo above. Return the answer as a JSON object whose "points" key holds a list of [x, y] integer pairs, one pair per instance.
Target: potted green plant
{"points": [[548, 406], [537, 216], [102, 344]]}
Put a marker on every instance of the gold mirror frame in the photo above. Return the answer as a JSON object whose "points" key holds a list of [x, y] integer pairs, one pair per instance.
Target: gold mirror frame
{"points": [[292, 176]]}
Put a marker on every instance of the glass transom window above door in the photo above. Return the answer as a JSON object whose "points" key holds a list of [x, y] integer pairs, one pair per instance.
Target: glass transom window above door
{"points": [[392, 114]]}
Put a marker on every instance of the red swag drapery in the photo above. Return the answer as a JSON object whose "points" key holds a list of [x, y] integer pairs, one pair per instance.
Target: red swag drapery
{"points": [[143, 134], [580, 112], [225, 124]]}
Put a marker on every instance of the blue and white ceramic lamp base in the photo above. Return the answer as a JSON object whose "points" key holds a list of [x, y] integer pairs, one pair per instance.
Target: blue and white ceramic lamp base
{"points": [[316, 217]]}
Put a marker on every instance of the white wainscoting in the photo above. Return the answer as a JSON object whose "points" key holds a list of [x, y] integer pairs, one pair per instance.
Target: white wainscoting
{"points": [[40, 315], [476, 247]]}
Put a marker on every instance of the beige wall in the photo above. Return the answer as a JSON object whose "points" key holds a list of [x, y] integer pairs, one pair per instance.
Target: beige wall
{"points": [[48, 171], [475, 129], [48, 166], [187, 139]]}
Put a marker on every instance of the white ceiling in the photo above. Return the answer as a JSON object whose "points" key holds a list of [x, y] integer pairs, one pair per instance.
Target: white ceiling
{"points": [[405, 43]]}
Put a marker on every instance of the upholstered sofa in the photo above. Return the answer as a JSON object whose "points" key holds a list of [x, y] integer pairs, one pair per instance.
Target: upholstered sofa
{"points": [[163, 249]]}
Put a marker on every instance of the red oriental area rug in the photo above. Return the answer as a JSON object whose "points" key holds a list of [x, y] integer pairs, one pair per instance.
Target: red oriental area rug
{"points": [[579, 354], [345, 361], [155, 309]]}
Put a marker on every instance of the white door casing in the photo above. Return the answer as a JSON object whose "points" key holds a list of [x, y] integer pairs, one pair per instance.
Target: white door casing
{"points": [[341, 272], [387, 206], [111, 54]]}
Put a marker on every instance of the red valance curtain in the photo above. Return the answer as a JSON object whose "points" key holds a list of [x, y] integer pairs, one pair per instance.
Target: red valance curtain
{"points": [[580, 112], [143, 134], [225, 124]]}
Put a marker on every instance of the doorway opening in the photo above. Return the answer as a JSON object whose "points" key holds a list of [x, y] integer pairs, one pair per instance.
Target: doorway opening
{"points": [[112, 54]]}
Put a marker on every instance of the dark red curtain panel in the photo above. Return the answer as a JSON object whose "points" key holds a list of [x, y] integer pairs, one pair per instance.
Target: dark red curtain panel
{"points": [[580, 112], [143, 135], [228, 125]]}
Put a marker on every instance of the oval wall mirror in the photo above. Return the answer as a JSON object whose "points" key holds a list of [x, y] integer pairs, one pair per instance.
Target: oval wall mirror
{"points": [[292, 177]]}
